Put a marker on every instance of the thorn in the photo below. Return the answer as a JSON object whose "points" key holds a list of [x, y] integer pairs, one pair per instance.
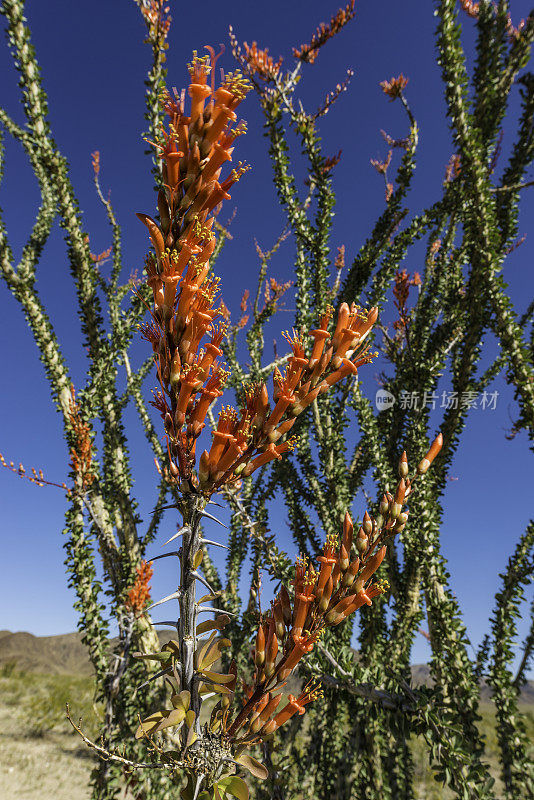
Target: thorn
{"points": [[173, 596], [215, 503], [164, 555], [181, 532], [164, 508], [210, 516], [202, 580], [166, 671], [217, 544], [173, 623], [200, 609], [200, 778]]}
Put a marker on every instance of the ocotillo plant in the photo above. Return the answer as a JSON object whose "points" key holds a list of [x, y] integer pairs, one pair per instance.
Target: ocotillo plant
{"points": [[368, 710], [193, 150]]}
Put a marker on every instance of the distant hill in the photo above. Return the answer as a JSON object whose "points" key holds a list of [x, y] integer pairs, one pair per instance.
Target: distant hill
{"points": [[60, 655], [66, 655]]}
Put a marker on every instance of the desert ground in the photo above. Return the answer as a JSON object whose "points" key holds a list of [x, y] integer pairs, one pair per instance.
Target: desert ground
{"points": [[42, 760]]}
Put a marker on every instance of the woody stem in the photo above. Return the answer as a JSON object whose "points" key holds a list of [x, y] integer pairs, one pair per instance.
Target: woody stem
{"points": [[192, 510]]}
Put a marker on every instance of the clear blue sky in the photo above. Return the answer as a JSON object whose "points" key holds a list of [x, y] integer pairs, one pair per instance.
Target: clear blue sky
{"points": [[94, 64]]}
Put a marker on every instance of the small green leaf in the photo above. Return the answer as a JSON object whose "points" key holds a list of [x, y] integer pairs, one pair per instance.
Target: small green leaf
{"points": [[216, 624], [190, 722], [234, 786], [149, 724], [216, 677], [214, 654], [181, 700], [174, 717], [172, 646], [206, 597], [202, 649], [163, 658]]}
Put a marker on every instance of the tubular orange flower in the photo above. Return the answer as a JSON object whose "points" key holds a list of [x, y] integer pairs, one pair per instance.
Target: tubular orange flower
{"points": [[297, 705], [327, 561], [302, 603]]}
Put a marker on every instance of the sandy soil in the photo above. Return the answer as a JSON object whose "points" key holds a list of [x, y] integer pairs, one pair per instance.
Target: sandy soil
{"points": [[55, 766]]}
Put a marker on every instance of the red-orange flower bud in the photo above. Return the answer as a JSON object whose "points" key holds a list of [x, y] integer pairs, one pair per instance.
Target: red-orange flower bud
{"points": [[259, 657], [372, 565], [435, 447], [348, 529], [350, 574]]}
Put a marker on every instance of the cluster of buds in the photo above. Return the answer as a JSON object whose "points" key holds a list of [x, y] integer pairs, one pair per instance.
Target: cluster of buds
{"points": [[81, 453], [157, 17], [325, 595], [193, 150], [186, 335], [395, 86], [260, 63], [258, 433], [401, 290], [309, 52], [138, 596], [36, 477]]}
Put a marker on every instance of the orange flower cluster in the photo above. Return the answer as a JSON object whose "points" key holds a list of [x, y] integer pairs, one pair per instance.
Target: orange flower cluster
{"points": [[382, 166], [401, 290], [324, 596], [274, 291], [260, 63], [193, 150], [470, 7], [138, 596], [403, 282], [245, 441], [309, 52], [331, 162], [81, 453], [394, 87]]}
